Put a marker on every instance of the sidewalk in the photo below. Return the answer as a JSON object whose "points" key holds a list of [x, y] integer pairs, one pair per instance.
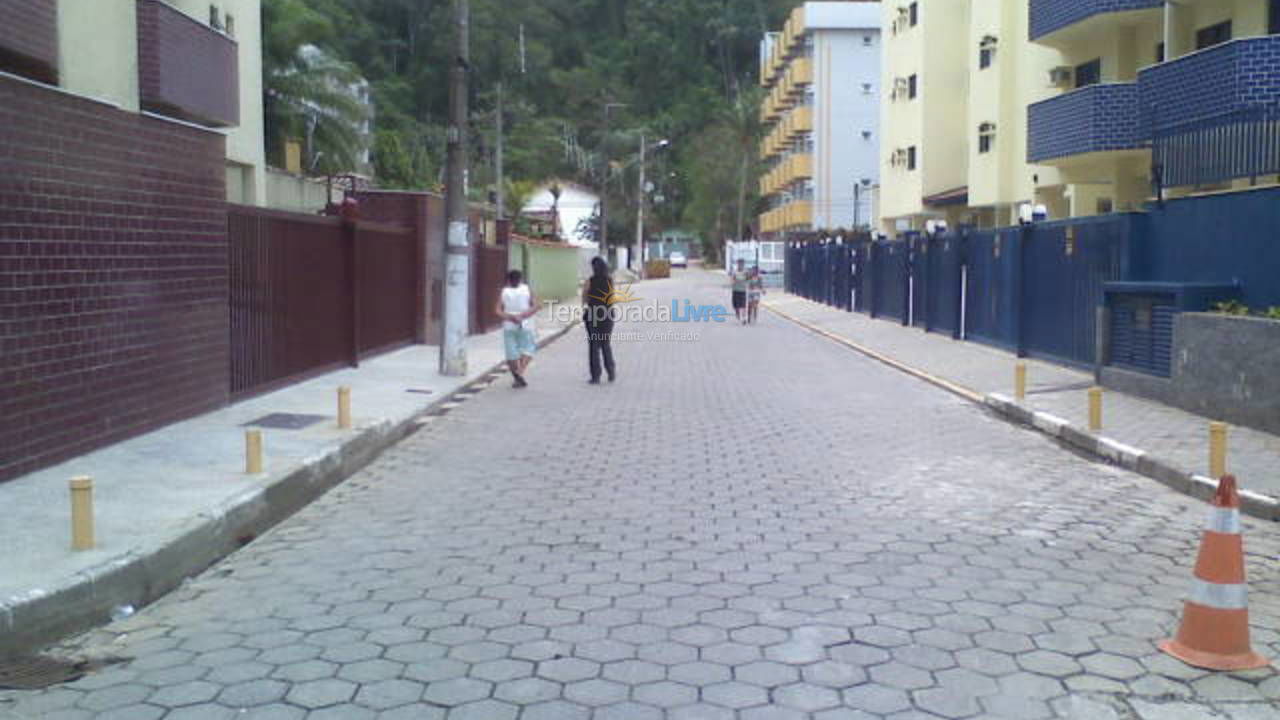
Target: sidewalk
{"points": [[1159, 441], [171, 502]]}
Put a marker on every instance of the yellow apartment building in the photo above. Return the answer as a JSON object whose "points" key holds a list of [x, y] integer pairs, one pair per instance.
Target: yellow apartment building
{"points": [[218, 85], [821, 117], [924, 150], [1184, 80]]}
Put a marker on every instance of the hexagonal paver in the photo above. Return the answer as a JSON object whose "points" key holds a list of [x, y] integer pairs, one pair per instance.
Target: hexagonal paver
{"points": [[766, 674], [457, 691], [1045, 662], [665, 694], [1112, 666], [806, 697], [568, 670], [115, 696], [876, 699], [526, 691], [596, 692], [895, 674], [389, 694], [833, 674], [699, 673], [369, 671], [320, 693], [253, 693], [187, 693]]}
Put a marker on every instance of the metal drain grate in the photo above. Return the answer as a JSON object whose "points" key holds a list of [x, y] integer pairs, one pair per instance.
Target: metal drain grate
{"points": [[285, 421], [38, 672]]}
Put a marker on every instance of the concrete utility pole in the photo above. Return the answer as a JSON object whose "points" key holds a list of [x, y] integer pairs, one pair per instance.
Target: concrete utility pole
{"points": [[453, 350], [502, 190], [640, 197], [604, 184]]}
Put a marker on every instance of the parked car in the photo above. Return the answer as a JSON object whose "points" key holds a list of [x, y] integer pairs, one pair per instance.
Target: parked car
{"points": [[678, 260]]}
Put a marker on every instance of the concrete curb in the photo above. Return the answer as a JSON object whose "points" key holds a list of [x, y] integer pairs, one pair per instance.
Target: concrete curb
{"points": [[147, 573], [1099, 446]]}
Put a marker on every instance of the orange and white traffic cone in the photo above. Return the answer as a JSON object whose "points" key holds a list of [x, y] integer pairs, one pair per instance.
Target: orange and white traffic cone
{"points": [[1215, 619]]}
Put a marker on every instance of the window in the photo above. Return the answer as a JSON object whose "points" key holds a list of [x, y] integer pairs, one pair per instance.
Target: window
{"points": [[986, 137], [911, 86], [911, 158], [866, 41], [866, 134], [866, 88], [1089, 73], [986, 52], [215, 17], [1159, 52], [231, 24], [1273, 23], [1213, 35], [914, 11]]}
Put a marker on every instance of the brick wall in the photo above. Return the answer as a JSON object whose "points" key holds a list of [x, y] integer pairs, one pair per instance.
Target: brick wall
{"points": [[29, 38], [185, 68], [113, 275]]}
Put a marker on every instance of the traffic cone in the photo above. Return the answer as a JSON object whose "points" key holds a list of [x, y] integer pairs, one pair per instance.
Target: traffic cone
{"points": [[1215, 619]]}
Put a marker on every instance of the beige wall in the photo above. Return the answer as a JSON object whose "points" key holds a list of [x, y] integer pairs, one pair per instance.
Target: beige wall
{"points": [[1001, 179], [935, 121], [1248, 18], [98, 50], [286, 191]]}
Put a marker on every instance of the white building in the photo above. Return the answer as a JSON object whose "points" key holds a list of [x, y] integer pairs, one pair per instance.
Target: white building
{"points": [[822, 117], [576, 203]]}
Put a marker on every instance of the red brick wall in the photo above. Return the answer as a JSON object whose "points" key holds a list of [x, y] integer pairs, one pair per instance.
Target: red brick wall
{"points": [[29, 38], [113, 275], [185, 68]]}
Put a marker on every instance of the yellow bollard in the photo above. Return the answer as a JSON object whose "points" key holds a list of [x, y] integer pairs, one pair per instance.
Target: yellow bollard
{"points": [[82, 513], [253, 451], [1217, 449], [1095, 409], [1020, 381], [344, 408]]}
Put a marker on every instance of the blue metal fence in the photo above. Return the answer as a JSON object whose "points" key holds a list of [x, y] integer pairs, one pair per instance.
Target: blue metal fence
{"points": [[1239, 143], [1036, 289]]}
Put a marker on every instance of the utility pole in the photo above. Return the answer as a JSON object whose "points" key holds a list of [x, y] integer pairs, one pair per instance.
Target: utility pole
{"points": [[453, 350], [604, 185], [639, 249], [502, 190]]}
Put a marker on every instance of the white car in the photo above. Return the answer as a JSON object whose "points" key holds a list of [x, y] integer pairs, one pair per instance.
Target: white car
{"points": [[677, 259]]}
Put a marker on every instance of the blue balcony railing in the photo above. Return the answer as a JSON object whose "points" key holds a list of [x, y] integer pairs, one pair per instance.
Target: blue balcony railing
{"points": [[1230, 77], [1051, 15], [1097, 118]]}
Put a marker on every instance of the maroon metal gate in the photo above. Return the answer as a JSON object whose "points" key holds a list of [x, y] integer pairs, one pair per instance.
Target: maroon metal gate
{"points": [[310, 294]]}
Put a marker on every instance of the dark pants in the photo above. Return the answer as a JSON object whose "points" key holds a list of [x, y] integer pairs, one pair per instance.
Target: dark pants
{"points": [[598, 347]]}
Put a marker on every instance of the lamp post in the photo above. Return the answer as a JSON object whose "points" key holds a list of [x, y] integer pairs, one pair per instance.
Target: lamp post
{"points": [[639, 248]]}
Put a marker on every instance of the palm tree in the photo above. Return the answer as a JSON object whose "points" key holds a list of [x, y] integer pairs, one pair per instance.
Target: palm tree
{"points": [[308, 93]]}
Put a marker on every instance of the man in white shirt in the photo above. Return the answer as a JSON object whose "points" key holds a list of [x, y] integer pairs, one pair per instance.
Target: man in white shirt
{"points": [[517, 306]]}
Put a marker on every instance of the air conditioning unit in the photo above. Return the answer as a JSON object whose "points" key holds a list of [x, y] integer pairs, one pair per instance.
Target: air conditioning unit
{"points": [[899, 87], [1061, 76]]}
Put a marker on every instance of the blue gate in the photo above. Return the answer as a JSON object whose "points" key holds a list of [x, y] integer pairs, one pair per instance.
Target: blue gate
{"points": [[891, 268], [991, 297], [1065, 265], [942, 263]]}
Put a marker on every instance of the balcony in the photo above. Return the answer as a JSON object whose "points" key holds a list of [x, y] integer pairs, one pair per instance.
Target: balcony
{"points": [[1214, 116], [1222, 79], [29, 39], [186, 69], [1097, 118], [799, 121], [1050, 16]]}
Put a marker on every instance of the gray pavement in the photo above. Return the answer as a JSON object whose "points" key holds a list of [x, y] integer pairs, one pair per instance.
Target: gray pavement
{"points": [[754, 524], [182, 481], [1163, 431]]}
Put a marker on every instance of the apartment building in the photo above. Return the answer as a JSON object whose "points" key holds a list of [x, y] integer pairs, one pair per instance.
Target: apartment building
{"points": [[821, 115], [190, 60], [1155, 99]]}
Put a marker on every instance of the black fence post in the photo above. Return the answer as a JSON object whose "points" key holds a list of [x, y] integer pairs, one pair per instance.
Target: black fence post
{"points": [[961, 268]]}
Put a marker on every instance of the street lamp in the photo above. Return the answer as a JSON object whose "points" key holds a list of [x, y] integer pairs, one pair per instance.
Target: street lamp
{"points": [[638, 252]]}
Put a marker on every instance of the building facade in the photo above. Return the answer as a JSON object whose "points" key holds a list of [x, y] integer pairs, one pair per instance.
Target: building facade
{"points": [[821, 117], [131, 53], [1084, 107], [1156, 99], [923, 90]]}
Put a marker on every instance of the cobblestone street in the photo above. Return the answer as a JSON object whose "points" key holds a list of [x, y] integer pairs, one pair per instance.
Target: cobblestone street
{"points": [[756, 524]]}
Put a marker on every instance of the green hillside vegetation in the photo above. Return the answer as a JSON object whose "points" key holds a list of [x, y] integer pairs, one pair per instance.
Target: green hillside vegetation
{"points": [[687, 70]]}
